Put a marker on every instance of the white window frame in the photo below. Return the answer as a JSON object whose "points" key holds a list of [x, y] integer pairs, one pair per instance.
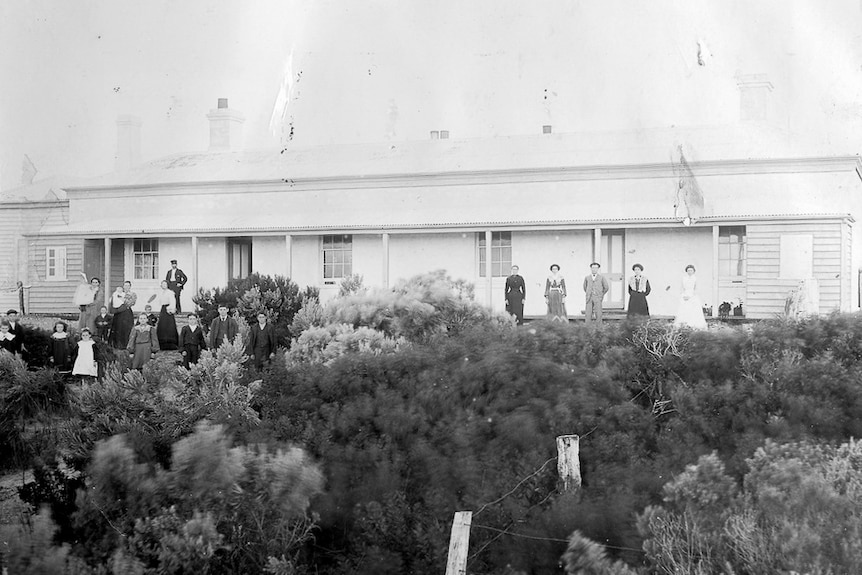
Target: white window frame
{"points": [[500, 267], [153, 251], [337, 246], [55, 264], [724, 248]]}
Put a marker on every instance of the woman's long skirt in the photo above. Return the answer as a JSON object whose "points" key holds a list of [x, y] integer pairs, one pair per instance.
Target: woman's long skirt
{"points": [[556, 306], [121, 328], [167, 330], [638, 305]]}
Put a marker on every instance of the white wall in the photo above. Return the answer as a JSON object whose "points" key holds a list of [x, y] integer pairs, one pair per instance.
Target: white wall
{"points": [[414, 254], [269, 255], [307, 266], [212, 262], [368, 259], [664, 253]]}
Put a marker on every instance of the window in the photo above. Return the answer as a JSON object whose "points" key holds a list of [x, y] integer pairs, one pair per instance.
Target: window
{"points": [[501, 254], [337, 256], [239, 258], [55, 263], [731, 251], [146, 253]]}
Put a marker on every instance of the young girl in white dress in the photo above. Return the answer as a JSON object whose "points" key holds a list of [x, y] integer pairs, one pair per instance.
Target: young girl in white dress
{"points": [[690, 311], [85, 364]]}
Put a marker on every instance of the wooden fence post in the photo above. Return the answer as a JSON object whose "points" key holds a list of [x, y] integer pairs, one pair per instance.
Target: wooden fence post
{"points": [[568, 464], [459, 543]]}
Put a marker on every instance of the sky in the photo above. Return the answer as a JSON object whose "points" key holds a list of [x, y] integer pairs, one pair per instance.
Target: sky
{"points": [[393, 70]]}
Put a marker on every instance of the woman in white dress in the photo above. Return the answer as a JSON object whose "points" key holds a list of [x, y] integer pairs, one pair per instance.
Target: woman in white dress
{"points": [[690, 311]]}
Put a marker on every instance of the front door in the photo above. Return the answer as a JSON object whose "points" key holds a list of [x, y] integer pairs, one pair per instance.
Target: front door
{"points": [[94, 259], [613, 266]]}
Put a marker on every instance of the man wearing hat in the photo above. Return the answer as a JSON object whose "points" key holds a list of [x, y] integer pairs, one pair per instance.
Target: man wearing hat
{"points": [[595, 288], [176, 280]]}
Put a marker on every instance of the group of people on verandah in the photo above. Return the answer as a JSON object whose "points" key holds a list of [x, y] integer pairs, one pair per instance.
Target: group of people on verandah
{"points": [[596, 286]]}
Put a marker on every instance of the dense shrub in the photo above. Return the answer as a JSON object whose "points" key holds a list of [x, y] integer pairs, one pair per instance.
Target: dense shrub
{"points": [[215, 509], [28, 399], [462, 415], [800, 510], [276, 296], [37, 342]]}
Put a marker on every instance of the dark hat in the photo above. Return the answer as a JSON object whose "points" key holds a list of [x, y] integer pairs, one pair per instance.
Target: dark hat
{"points": [[595, 264], [637, 266], [11, 311], [173, 261]]}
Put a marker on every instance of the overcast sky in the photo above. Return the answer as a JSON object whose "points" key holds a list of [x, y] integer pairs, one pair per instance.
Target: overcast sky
{"points": [[370, 71]]}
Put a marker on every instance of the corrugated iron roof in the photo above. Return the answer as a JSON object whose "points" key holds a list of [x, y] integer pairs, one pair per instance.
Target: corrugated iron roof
{"points": [[109, 228]]}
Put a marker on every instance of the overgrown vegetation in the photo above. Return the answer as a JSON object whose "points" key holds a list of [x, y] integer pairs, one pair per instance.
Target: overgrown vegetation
{"points": [[277, 297], [721, 451]]}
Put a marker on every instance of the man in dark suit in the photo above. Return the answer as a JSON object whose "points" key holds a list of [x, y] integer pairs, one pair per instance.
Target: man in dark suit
{"points": [[222, 327], [176, 280], [516, 294], [595, 287], [17, 330], [261, 342]]}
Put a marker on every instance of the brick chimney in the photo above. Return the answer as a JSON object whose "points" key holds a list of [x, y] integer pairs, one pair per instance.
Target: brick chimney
{"points": [[754, 98], [225, 128], [128, 142]]}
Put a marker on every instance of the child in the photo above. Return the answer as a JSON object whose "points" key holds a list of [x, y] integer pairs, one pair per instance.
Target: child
{"points": [[192, 341], [61, 348], [152, 318], [16, 330], [103, 324], [85, 364], [143, 343], [7, 339]]}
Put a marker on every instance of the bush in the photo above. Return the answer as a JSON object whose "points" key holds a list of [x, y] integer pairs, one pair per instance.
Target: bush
{"points": [[37, 342], [26, 396], [276, 296], [800, 511], [215, 508]]}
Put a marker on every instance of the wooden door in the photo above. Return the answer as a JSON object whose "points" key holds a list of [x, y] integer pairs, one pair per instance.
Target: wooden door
{"points": [[94, 259]]}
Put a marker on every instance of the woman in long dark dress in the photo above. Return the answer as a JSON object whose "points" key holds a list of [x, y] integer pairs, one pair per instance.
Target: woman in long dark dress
{"points": [[639, 289], [167, 324], [124, 318]]}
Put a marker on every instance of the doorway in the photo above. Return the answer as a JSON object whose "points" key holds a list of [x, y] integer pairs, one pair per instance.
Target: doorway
{"points": [[612, 257], [94, 259]]}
